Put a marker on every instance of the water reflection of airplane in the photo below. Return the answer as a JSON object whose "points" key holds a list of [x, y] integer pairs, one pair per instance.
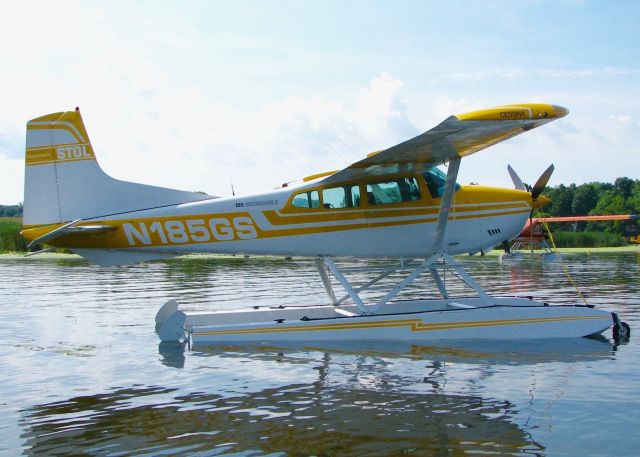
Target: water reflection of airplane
{"points": [[353, 400], [393, 203], [495, 352], [294, 419], [534, 235]]}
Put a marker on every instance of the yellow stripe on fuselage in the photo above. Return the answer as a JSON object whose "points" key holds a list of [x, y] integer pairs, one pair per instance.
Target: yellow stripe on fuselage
{"points": [[237, 226], [282, 217], [472, 202]]}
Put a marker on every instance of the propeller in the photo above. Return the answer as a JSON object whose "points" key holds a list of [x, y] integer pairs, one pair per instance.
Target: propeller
{"points": [[541, 183], [537, 188], [516, 179], [535, 191]]}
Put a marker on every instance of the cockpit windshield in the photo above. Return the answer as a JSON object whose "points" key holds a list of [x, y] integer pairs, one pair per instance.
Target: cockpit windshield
{"points": [[436, 179]]}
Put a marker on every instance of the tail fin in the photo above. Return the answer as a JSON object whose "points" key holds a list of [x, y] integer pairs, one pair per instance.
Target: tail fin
{"points": [[63, 181]]}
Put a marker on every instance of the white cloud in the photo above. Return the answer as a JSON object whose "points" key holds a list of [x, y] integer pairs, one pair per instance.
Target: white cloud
{"points": [[587, 72], [154, 118], [507, 73], [145, 129], [620, 118], [522, 73], [284, 140], [444, 107]]}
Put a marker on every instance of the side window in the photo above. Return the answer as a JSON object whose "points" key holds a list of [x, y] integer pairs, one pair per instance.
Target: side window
{"points": [[436, 180], [341, 197], [409, 189], [382, 193], [334, 197], [314, 199], [399, 190], [301, 200], [309, 199], [355, 195]]}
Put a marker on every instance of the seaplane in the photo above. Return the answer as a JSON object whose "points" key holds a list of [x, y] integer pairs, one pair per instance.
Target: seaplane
{"points": [[535, 233], [393, 204]]}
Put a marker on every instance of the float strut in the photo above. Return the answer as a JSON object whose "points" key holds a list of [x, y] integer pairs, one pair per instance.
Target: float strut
{"points": [[343, 281], [326, 281]]}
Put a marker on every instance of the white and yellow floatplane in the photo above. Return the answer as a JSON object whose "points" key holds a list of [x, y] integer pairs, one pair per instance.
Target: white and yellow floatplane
{"points": [[394, 203]]}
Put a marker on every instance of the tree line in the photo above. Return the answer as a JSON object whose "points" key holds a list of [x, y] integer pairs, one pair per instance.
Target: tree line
{"points": [[11, 210], [595, 199]]}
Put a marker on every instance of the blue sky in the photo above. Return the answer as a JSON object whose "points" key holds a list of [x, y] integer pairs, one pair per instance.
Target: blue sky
{"points": [[194, 95]]}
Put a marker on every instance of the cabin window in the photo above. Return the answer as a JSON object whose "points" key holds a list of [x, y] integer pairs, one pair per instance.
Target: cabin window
{"points": [[309, 199], [355, 195], [396, 191], [341, 197], [436, 180]]}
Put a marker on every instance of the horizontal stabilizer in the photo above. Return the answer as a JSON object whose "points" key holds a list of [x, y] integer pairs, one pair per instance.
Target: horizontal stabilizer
{"points": [[69, 228]]}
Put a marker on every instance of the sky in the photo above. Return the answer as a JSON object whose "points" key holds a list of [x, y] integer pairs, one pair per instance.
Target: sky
{"points": [[198, 95]]}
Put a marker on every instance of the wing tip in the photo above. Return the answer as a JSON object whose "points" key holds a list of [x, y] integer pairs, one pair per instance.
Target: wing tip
{"points": [[523, 111]]}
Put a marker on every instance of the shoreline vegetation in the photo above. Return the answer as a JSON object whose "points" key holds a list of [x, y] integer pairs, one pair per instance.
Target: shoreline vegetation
{"points": [[10, 239]]}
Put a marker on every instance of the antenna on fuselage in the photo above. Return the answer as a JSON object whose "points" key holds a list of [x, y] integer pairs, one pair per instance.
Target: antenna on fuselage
{"points": [[233, 191]]}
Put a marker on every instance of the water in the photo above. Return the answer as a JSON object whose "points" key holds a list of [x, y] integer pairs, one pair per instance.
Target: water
{"points": [[82, 372]]}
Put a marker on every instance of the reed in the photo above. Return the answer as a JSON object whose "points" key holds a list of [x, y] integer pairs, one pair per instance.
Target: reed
{"points": [[565, 239], [10, 239]]}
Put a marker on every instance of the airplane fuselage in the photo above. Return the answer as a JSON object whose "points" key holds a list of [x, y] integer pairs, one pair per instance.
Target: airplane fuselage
{"points": [[388, 216]]}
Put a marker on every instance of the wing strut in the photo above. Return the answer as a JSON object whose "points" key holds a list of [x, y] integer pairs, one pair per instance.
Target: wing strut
{"points": [[439, 257], [438, 248], [445, 205]]}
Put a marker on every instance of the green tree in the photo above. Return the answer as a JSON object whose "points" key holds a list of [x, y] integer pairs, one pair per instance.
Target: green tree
{"points": [[11, 210], [633, 202], [585, 199], [561, 200], [624, 186], [610, 202]]}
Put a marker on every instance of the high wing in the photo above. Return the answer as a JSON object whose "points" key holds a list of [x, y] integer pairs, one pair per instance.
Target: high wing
{"points": [[457, 136]]}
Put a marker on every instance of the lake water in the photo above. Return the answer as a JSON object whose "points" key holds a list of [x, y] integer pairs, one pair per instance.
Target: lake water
{"points": [[82, 372]]}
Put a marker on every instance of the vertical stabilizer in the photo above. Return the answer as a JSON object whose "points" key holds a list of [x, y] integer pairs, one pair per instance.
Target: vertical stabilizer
{"points": [[63, 181]]}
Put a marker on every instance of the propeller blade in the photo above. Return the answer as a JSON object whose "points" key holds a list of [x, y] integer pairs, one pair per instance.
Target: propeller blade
{"points": [[541, 183], [516, 179]]}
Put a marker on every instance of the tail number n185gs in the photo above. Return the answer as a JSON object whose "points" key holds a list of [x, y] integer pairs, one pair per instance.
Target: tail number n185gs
{"points": [[190, 231]]}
